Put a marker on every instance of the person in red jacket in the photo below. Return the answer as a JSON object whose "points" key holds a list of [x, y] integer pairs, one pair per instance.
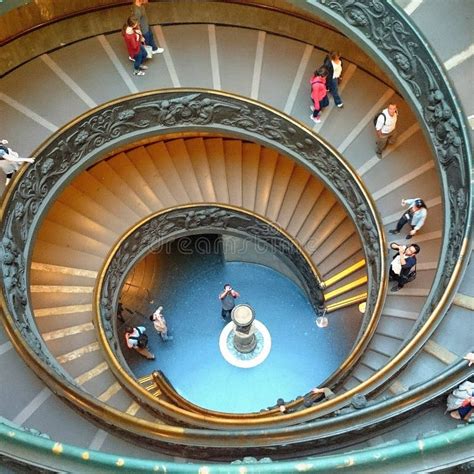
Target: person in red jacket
{"points": [[135, 41], [318, 93]]}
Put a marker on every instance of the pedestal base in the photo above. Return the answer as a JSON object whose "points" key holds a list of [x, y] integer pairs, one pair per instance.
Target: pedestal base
{"points": [[245, 360], [245, 342]]}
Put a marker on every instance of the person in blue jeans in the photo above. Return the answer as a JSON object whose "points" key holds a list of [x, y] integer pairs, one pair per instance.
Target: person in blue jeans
{"points": [[139, 12], [333, 64]]}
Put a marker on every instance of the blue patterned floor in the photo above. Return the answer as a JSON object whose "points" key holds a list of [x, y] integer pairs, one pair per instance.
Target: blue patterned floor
{"points": [[302, 355]]}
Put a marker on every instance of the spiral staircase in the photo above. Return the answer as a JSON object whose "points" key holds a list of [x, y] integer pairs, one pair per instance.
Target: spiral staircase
{"points": [[261, 58]]}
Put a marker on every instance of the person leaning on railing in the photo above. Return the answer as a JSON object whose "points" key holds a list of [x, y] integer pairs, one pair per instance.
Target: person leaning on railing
{"points": [[10, 161]]}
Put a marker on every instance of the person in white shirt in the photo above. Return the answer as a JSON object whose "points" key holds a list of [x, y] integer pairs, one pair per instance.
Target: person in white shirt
{"points": [[333, 64], [159, 322], [385, 128], [137, 340], [10, 161]]}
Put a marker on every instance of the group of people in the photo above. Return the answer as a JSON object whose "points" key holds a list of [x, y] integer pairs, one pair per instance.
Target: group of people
{"points": [[139, 39], [136, 338], [326, 80], [403, 265]]}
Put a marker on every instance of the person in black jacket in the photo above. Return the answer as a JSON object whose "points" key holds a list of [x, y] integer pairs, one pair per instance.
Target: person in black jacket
{"points": [[402, 264], [333, 64]]}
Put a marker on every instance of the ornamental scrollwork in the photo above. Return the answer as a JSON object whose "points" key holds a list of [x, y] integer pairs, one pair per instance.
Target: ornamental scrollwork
{"points": [[85, 141]]}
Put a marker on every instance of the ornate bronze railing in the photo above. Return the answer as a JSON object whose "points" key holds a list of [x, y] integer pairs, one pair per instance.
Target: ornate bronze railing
{"points": [[123, 121]]}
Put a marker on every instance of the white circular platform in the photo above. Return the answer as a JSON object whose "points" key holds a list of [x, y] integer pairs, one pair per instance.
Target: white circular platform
{"points": [[251, 359]]}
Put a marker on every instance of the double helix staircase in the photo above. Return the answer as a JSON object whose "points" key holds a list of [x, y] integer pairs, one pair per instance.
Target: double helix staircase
{"points": [[102, 202]]}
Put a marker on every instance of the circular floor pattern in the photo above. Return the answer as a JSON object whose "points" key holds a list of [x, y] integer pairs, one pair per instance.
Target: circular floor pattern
{"points": [[239, 359]]}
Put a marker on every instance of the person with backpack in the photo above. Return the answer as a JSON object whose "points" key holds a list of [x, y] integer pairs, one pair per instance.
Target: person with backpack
{"points": [[10, 161], [333, 64], [137, 340], [318, 93], [385, 123], [403, 266], [415, 216]]}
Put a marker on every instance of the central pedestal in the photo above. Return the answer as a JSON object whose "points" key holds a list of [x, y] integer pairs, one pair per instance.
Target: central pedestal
{"points": [[244, 338]]}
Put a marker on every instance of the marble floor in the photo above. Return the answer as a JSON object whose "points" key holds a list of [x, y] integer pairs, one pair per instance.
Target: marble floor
{"points": [[302, 355]]}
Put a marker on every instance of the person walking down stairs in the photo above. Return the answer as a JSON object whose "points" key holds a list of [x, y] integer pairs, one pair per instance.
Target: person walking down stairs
{"points": [[135, 45], [318, 93], [139, 12], [385, 124], [333, 64]]}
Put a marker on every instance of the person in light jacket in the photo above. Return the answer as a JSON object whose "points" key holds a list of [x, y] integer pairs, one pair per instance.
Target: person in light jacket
{"points": [[415, 216]]}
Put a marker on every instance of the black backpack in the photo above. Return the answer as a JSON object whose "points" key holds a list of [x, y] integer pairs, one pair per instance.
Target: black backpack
{"points": [[142, 339], [377, 117]]}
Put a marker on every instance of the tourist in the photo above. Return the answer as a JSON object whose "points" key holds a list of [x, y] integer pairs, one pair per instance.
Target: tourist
{"points": [[159, 322], [10, 161], [227, 298], [403, 266], [318, 93], [139, 12], [318, 394], [137, 340], [385, 124], [333, 64], [134, 41], [460, 403], [415, 216]]}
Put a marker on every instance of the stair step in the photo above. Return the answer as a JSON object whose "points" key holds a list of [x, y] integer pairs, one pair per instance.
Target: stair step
{"points": [[281, 179], [125, 169], [144, 164], [310, 195], [323, 206], [233, 165], [215, 155], [82, 203], [298, 181], [198, 156], [250, 165], [67, 239], [88, 184], [266, 171], [182, 162], [120, 188], [164, 164]]}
